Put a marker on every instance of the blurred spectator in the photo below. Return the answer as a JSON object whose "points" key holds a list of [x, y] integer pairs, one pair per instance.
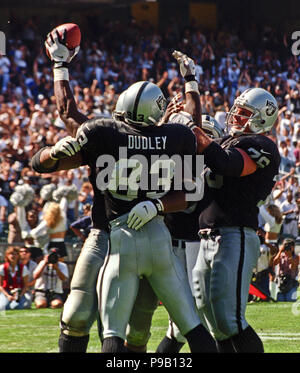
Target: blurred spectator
{"points": [[13, 281], [263, 273], [286, 263], [3, 212], [294, 101], [25, 259], [290, 212], [14, 229], [4, 72], [85, 196], [274, 224], [297, 157], [287, 162], [271, 221], [172, 71], [54, 224], [83, 225], [50, 275], [27, 221], [285, 128]]}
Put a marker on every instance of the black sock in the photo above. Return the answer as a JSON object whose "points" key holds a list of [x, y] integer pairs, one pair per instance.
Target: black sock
{"points": [[225, 346], [169, 346], [69, 343], [200, 340], [247, 341], [113, 345]]}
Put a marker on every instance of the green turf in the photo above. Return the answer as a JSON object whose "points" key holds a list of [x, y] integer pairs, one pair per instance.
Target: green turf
{"points": [[33, 330]]}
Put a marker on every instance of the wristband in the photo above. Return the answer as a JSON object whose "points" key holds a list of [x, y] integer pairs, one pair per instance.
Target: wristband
{"points": [[189, 78], [159, 205], [59, 64], [38, 167], [61, 73], [191, 86]]}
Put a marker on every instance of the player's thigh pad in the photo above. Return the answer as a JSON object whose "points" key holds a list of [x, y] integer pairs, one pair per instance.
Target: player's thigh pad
{"points": [[232, 266], [201, 275], [118, 282], [191, 253], [81, 306]]}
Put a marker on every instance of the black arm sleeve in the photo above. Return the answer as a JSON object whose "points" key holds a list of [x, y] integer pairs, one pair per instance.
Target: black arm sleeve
{"points": [[227, 162], [37, 166]]}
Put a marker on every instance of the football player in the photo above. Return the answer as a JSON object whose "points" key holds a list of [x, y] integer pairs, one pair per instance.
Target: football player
{"points": [[81, 307], [184, 227], [242, 167], [143, 252], [179, 224]]}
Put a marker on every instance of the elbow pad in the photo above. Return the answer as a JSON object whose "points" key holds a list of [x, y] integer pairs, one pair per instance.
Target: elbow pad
{"points": [[38, 167]]}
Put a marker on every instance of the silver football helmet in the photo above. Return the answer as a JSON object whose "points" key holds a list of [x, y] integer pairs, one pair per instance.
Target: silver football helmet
{"points": [[263, 108], [212, 127], [144, 104], [119, 112]]}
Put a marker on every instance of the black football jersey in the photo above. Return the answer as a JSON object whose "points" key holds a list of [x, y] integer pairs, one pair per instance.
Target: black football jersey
{"points": [[132, 163], [234, 199]]}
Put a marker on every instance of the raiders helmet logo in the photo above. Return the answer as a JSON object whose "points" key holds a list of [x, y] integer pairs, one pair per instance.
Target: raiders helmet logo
{"points": [[271, 108], [161, 103]]}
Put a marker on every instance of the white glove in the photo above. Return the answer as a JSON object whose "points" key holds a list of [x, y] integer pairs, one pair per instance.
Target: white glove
{"points": [[66, 147], [59, 53], [186, 64], [141, 213]]}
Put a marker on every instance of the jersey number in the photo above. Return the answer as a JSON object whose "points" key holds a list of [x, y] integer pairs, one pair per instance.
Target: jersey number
{"points": [[259, 159], [213, 180], [138, 178]]}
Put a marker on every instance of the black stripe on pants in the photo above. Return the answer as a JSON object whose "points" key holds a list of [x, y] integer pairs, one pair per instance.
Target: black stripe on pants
{"points": [[239, 281]]}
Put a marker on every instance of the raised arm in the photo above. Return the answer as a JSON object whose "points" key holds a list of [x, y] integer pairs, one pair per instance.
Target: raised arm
{"points": [[67, 107], [61, 56], [192, 97]]}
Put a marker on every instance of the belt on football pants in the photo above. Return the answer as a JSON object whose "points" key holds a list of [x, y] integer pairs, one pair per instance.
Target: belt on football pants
{"points": [[178, 243], [206, 234]]}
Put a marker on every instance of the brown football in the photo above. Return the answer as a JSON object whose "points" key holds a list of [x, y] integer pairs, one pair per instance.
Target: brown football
{"points": [[73, 34]]}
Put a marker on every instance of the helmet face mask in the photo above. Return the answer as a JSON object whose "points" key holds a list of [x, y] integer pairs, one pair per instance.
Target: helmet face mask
{"points": [[254, 111], [212, 127], [144, 104]]}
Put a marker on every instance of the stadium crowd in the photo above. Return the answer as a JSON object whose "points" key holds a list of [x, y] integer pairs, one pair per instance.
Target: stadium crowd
{"points": [[227, 63]]}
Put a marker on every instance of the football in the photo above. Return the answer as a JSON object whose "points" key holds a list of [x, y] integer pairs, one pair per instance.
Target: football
{"points": [[73, 34]]}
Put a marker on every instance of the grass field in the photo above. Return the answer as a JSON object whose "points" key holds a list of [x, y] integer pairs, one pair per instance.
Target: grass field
{"points": [[36, 331]]}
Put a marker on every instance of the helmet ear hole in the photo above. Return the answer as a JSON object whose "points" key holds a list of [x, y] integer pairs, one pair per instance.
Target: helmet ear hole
{"points": [[263, 121]]}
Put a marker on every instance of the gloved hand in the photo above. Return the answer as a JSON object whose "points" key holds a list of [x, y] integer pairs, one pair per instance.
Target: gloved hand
{"points": [[186, 65], [59, 53], [174, 106], [141, 214], [64, 148]]}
